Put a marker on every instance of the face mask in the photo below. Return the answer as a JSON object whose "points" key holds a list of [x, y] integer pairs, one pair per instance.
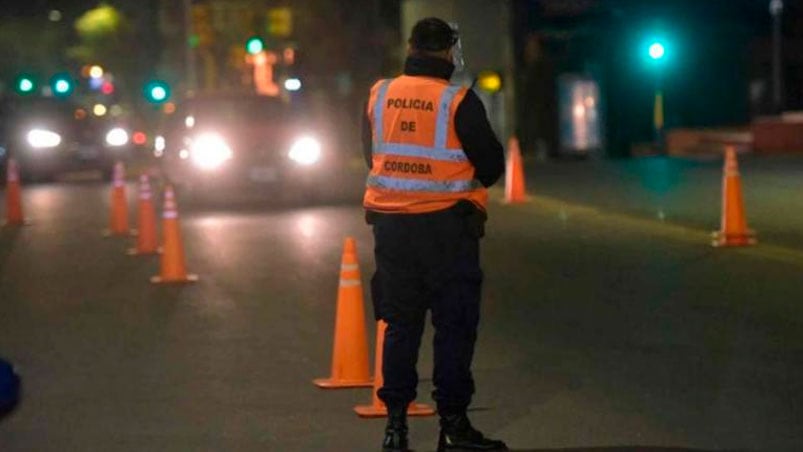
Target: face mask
{"points": [[457, 51]]}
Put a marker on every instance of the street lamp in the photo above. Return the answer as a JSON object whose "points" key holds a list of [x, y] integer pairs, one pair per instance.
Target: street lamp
{"points": [[776, 9], [96, 71]]}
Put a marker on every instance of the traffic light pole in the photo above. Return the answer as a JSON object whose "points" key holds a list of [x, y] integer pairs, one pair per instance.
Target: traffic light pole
{"points": [[189, 51], [776, 9], [658, 115]]}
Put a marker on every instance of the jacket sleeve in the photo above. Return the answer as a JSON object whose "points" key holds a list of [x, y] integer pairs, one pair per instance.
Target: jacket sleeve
{"points": [[367, 137], [478, 139]]}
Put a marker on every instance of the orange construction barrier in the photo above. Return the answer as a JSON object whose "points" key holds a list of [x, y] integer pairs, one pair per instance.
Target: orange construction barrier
{"points": [[118, 220], [13, 195], [147, 241], [734, 231], [350, 367], [377, 408], [514, 173], [173, 268]]}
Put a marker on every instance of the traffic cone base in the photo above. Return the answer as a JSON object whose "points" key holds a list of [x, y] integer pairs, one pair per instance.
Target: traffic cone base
{"points": [[373, 411], [186, 280], [136, 252], [9, 224], [523, 199], [377, 407], [331, 383], [723, 240]]}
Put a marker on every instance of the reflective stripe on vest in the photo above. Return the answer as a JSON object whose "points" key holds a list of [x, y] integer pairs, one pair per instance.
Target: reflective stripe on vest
{"points": [[443, 117], [437, 152], [412, 150], [379, 114], [401, 184]]}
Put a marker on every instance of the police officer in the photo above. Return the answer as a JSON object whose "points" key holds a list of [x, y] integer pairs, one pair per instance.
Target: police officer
{"points": [[431, 153]]}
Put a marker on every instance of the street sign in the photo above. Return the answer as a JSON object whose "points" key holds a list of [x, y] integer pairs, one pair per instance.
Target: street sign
{"points": [[280, 22]]}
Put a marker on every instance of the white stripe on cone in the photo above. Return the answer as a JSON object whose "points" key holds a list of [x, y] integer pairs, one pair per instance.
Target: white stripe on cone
{"points": [[170, 209], [144, 188], [119, 175], [13, 172]]}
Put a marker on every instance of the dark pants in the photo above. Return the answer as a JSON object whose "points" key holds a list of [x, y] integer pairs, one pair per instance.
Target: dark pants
{"points": [[9, 388], [428, 261]]}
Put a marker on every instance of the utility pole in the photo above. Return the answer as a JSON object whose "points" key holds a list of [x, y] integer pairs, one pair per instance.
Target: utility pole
{"points": [[189, 51], [776, 10]]}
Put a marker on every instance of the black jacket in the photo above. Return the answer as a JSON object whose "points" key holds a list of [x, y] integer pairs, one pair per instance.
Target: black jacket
{"points": [[471, 124]]}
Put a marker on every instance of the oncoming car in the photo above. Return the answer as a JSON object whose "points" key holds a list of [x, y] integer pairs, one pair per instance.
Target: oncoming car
{"points": [[242, 145], [49, 136]]}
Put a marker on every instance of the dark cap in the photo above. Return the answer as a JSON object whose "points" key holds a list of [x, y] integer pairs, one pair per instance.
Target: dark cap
{"points": [[432, 34]]}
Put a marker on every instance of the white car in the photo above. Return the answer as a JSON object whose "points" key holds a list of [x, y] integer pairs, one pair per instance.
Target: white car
{"points": [[240, 144]]}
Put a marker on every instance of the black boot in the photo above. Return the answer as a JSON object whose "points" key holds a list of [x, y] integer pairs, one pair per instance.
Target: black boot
{"points": [[396, 431], [457, 435]]}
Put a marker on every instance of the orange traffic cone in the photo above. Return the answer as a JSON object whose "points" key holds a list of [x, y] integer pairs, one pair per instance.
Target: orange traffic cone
{"points": [[118, 220], [377, 408], [173, 269], [734, 231], [350, 367], [147, 242], [514, 173], [13, 197]]}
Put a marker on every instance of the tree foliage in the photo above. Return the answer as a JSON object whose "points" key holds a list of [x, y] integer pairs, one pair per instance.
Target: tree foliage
{"points": [[106, 37]]}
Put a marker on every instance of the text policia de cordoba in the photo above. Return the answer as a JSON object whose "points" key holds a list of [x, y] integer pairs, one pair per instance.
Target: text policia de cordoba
{"points": [[409, 126]]}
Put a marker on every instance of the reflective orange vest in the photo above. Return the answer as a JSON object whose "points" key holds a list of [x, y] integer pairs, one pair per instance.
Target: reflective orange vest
{"points": [[418, 162]]}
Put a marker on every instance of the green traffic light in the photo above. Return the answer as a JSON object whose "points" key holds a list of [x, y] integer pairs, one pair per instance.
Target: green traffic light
{"points": [[62, 87], [157, 91], [61, 84], [25, 85], [657, 51], [254, 45]]}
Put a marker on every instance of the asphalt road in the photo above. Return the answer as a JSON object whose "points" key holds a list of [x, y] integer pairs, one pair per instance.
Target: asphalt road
{"points": [[603, 326]]}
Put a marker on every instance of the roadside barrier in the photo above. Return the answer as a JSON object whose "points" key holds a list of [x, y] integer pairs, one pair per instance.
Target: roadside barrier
{"points": [[172, 265], [14, 215], [377, 408], [734, 231], [147, 241], [350, 368], [118, 219], [514, 173]]}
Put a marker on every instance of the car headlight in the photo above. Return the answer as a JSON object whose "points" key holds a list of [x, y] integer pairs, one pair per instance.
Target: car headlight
{"points": [[209, 151], [117, 137], [41, 138], [305, 151]]}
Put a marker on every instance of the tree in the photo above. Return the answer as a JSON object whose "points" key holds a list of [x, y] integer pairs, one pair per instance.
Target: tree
{"points": [[106, 37], [29, 45]]}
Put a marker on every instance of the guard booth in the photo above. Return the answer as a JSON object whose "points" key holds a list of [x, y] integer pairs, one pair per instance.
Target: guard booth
{"points": [[580, 117]]}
